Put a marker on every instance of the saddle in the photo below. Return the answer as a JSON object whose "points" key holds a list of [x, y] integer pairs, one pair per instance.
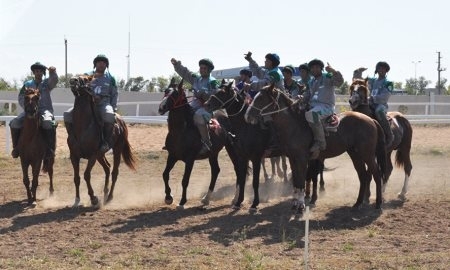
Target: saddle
{"points": [[331, 123]]}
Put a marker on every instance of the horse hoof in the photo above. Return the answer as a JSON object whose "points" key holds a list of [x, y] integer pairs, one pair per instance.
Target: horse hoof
{"points": [[402, 196], [180, 207], [168, 201], [205, 201], [253, 210], [235, 207], [95, 201]]}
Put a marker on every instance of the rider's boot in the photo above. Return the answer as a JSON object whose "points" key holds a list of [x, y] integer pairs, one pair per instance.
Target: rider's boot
{"points": [[50, 139], [206, 141], [320, 143], [381, 117], [15, 135], [107, 137]]}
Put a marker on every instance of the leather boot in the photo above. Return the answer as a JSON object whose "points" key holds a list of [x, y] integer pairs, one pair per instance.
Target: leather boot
{"points": [[320, 143], [206, 142], [107, 137], [15, 135], [50, 139], [381, 117]]}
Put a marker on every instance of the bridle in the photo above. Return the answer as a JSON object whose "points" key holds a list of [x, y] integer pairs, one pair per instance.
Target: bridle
{"points": [[274, 103], [178, 102], [226, 104]]}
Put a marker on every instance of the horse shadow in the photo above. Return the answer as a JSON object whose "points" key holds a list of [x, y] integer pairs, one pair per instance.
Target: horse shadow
{"points": [[10, 209], [59, 215]]}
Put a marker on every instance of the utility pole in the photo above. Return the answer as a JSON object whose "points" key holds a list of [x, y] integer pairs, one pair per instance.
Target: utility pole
{"points": [[439, 69], [66, 83], [128, 56]]}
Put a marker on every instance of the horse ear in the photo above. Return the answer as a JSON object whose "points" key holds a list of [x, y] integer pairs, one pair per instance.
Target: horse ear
{"points": [[172, 81], [230, 84], [223, 82], [180, 86]]}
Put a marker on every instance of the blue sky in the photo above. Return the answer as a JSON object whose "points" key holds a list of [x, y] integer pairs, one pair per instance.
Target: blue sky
{"points": [[347, 34]]}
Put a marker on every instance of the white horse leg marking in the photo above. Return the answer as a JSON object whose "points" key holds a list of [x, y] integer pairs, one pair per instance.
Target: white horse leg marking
{"points": [[404, 191]]}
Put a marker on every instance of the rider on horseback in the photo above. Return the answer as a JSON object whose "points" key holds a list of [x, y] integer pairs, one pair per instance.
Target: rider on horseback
{"points": [[290, 84], [104, 87], [321, 98], [204, 85], [380, 91], [305, 78], [48, 123]]}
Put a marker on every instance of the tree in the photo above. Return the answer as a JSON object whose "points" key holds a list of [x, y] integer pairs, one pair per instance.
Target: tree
{"points": [[343, 89], [4, 85], [398, 85], [121, 84], [62, 80], [416, 86], [443, 85], [136, 84]]}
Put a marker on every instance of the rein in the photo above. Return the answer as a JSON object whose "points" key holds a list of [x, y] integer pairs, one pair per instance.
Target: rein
{"points": [[226, 104], [274, 103]]}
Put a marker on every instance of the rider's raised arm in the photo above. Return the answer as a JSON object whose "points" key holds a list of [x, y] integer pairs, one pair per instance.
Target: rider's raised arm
{"points": [[184, 72], [52, 79], [257, 71]]}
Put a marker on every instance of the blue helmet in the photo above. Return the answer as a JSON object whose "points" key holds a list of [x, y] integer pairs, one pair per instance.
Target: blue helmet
{"points": [[274, 58]]}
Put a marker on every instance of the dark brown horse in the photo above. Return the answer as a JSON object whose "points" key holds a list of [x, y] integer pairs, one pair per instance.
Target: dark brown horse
{"points": [[32, 146], [87, 138], [358, 135], [183, 142], [400, 126]]}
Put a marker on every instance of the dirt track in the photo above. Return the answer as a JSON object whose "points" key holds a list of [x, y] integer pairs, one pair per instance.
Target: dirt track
{"points": [[137, 231]]}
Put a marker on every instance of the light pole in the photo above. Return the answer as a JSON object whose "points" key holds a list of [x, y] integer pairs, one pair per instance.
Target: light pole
{"points": [[415, 68]]}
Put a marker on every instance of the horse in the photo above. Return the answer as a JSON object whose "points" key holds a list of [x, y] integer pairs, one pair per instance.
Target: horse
{"points": [[87, 128], [400, 126], [250, 140], [32, 147], [183, 142], [357, 134], [277, 170]]}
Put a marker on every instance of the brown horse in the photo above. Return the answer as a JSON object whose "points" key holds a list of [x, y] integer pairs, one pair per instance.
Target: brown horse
{"points": [[400, 126], [32, 146], [87, 133], [183, 142], [358, 135]]}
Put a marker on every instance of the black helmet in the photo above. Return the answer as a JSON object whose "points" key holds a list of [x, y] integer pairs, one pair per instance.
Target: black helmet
{"points": [[206, 62], [289, 68], [246, 71], [274, 58], [382, 64], [316, 62], [38, 65], [101, 57], [304, 67]]}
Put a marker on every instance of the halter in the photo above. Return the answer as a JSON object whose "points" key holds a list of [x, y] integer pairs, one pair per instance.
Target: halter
{"points": [[228, 102], [274, 103], [179, 102]]}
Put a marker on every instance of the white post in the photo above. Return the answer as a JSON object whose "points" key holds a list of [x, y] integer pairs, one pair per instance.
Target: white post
{"points": [[432, 101], [137, 109], [8, 137], [305, 254]]}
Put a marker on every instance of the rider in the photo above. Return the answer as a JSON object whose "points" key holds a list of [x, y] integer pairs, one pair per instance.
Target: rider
{"points": [[305, 78], [106, 95], [204, 85], [380, 91], [48, 123], [321, 98], [270, 73], [290, 84]]}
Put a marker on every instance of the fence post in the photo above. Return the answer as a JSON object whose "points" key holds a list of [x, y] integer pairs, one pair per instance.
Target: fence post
{"points": [[8, 137], [432, 101]]}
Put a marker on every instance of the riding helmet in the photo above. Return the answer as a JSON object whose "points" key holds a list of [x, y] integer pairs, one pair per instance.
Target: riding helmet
{"points": [[289, 68], [304, 67], [246, 71], [38, 65], [274, 58], [207, 62], [382, 64], [316, 62], [101, 57]]}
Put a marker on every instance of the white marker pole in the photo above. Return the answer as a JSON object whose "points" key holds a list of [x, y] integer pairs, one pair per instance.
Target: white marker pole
{"points": [[305, 255]]}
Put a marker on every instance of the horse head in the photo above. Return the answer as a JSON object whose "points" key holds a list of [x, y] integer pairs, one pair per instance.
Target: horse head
{"points": [[359, 93], [223, 97], [267, 102], [80, 85], [31, 102], [174, 97]]}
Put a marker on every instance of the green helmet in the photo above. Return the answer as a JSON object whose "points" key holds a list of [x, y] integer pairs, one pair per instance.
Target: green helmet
{"points": [[206, 62], [101, 57]]}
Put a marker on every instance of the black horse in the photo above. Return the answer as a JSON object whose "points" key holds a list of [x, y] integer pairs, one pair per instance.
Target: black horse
{"points": [[183, 141]]}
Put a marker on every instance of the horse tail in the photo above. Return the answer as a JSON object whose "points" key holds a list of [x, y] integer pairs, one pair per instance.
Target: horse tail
{"points": [[381, 152], [404, 148], [127, 154]]}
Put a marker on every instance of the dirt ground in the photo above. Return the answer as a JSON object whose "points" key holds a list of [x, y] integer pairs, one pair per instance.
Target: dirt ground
{"points": [[138, 231]]}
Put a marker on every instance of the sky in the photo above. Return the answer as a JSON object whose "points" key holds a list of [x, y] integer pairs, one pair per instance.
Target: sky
{"points": [[347, 34]]}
